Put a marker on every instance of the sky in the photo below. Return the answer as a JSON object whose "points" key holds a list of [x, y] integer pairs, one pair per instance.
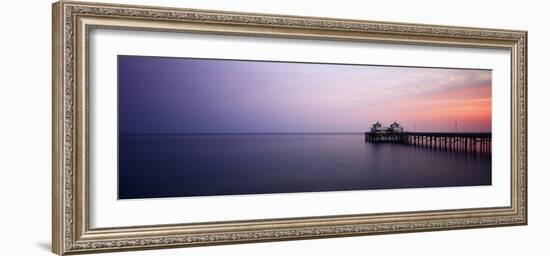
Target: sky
{"points": [[183, 95]]}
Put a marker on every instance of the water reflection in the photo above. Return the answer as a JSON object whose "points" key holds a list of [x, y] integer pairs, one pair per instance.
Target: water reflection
{"points": [[183, 165]]}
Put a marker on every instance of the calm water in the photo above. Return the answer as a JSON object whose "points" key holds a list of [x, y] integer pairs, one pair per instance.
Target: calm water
{"points": [[201, 165]]}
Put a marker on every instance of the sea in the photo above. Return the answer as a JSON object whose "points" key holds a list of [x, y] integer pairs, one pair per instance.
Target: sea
{"points": [[189, 165]]}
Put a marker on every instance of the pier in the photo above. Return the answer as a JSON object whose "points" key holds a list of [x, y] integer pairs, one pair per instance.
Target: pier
{"points": [[453, 141], [467, 142]]}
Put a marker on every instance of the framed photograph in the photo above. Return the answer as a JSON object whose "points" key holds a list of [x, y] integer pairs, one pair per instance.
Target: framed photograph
{"points": [[179, 127]]}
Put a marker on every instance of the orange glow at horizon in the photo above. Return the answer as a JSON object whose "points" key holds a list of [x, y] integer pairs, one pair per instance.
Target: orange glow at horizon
{"points": [[469, 107]]}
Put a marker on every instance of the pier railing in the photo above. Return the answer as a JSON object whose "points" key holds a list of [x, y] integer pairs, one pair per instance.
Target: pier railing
{"points": [[467, 142]]}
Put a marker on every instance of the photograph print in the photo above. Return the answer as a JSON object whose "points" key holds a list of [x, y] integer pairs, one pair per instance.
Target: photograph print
{"points": [[192, 127]]}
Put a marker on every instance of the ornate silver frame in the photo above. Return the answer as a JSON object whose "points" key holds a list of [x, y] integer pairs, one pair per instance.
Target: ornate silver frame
{"points": [[72, 22]]}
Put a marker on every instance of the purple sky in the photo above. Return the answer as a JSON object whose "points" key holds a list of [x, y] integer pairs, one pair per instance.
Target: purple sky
{"points": [[179, 95]]}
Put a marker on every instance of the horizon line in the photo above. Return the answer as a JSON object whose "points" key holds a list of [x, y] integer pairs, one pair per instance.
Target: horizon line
{"points": [[273, 133]]}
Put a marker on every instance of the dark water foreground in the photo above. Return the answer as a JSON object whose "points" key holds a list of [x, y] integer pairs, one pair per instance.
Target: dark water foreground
{"points": [[199, 165]]}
